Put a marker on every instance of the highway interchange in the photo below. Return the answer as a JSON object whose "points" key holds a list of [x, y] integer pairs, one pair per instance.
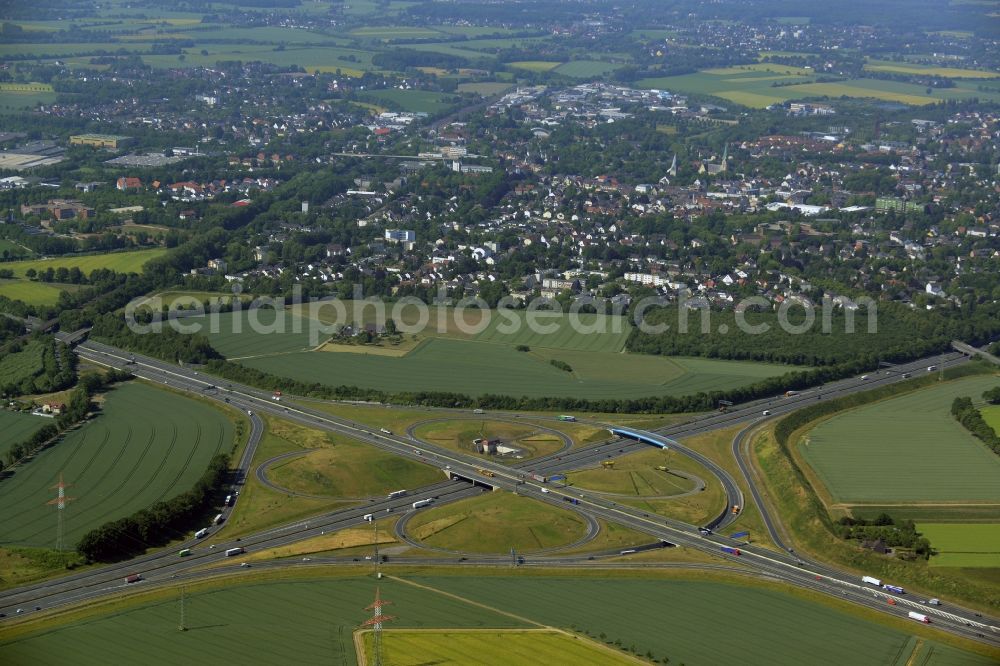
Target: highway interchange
{"points": [[781, 565]]}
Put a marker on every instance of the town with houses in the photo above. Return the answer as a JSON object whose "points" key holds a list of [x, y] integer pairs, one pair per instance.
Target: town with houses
{"points": [[714, 225]]}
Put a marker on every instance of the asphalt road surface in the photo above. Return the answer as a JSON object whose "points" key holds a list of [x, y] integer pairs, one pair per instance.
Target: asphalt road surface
{"points": [[785, 566]]}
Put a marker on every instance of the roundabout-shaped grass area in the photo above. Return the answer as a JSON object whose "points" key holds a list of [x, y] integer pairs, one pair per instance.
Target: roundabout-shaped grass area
{"points": [[345, 468], [647, 481], [638, 475], [494, 523], [458, 435]]}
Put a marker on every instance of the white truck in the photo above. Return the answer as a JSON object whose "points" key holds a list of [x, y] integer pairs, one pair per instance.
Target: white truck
{"points": [[201, 534], [423, 502], [919, 617], [871, 581]]}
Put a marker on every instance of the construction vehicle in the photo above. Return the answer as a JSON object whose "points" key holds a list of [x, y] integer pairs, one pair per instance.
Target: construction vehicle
{"points": [[486, 473]]}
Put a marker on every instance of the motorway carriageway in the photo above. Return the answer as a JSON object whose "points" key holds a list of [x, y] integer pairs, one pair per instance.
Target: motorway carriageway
{"points": [[779, 565]]}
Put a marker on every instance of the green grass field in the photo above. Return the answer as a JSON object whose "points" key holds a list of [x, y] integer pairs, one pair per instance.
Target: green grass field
{"points": [[346, 468], [907, 450], [33, 293], [458, 435], [494, 523], [12, 250], [145, 446], [637, 475], [991, 414], [123, 262], [416, 101], [491, 648], [16, 427], [260, 506], [969, 545], [13, 101], [316, 616]]}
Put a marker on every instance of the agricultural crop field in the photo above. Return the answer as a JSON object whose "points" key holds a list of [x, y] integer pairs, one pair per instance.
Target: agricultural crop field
{"points": [[25, 364], [606, 333], [635, 612], [256, 332], [493, 523], [122, 262], [586, 69], [146, 445], [535, 65], [896, 67], [16, 427], [317, 616], [975, 545], [751, 85], [484, 360], [486, 647], [485, 89], [415, 101], [477, 368], [907, 449]]}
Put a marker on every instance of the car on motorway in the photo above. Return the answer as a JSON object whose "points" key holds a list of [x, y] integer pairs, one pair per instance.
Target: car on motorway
{"points": [[766, 412], [931, 368], [545, 490], [864, 377], [245, 564]]}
